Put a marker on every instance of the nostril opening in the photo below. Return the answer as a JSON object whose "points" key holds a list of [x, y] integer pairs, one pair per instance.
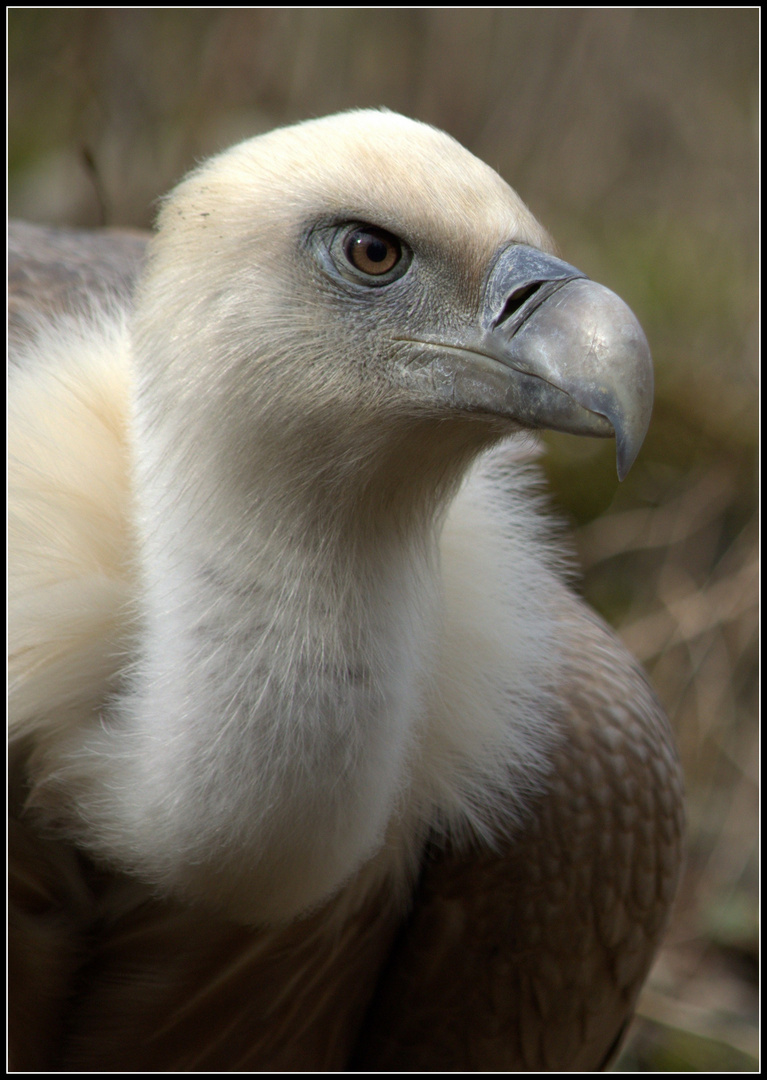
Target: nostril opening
{"points": [[517, 299]]}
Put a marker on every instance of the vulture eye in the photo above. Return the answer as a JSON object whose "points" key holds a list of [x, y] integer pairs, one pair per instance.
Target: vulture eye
{"points": [[369, 255], [372, 251]]}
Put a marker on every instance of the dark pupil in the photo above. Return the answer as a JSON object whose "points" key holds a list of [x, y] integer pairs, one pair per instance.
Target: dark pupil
{"points": [[376, 250]]}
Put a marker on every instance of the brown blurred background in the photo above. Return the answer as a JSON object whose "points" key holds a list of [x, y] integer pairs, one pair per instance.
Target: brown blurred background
{"points": [[633, 135]]}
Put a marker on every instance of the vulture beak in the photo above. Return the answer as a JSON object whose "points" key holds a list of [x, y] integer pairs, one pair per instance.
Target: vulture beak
{"points": [[577, 358]]}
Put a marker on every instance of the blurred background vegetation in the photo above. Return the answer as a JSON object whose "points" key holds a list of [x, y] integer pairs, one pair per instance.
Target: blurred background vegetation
{"points": [[633, 136]]}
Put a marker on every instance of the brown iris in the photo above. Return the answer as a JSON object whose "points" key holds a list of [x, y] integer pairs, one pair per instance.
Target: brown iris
{"points": [[372, 251]]}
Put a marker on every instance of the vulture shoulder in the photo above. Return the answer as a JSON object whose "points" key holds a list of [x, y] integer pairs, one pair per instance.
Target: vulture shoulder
{"points": [[316, 760]]}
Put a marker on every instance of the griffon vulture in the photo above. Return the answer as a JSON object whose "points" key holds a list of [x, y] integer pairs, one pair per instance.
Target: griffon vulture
{"points": [[316, 760]]}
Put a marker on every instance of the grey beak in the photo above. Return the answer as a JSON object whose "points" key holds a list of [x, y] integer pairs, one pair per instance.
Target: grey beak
{"points": [[581, 360]]}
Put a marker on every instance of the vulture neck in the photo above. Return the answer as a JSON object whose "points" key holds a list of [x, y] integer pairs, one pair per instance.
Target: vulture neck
{"points": [[291, 607]]}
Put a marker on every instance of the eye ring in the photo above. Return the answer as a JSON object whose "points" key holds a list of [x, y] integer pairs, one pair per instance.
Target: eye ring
{"points": [[366, 255], [372, 251]]}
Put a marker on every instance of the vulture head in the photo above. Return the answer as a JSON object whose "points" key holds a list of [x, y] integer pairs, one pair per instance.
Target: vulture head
{"points": [[336, 623], [353, 290]]}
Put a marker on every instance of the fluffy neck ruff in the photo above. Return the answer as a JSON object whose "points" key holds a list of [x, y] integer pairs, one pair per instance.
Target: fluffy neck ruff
{"points": [[294, 699], [291, 609]]}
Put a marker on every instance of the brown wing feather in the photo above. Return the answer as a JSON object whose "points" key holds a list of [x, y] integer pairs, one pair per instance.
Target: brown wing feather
{"points": [[50, 910], [532, 958], [104, 977], [172, 989], [52, 270]]}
